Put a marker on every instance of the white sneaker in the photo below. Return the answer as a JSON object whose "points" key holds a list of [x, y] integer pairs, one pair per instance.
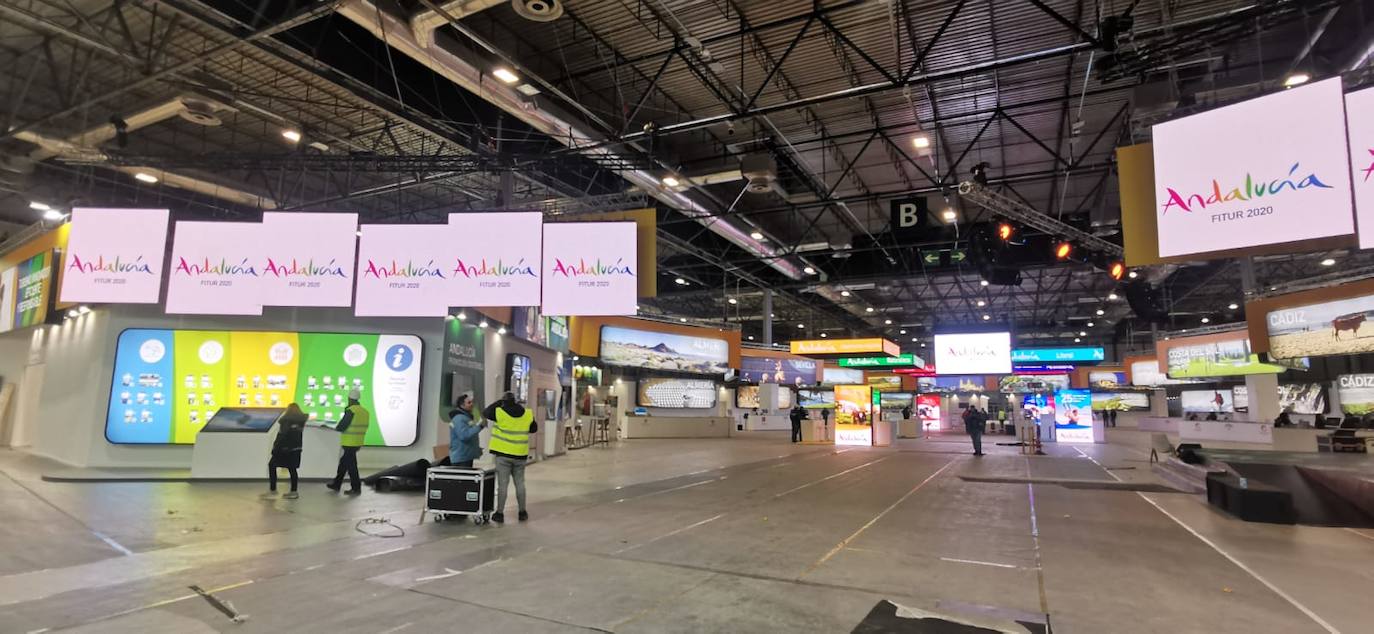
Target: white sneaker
{"points": [[291, 495]]}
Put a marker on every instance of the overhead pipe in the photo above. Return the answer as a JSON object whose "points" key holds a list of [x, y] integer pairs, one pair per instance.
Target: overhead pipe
{"points": [[426, 21], [397, 33]]}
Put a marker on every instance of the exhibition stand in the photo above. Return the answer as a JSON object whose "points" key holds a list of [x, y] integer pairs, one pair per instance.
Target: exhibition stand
{"points": [[676, 427]]}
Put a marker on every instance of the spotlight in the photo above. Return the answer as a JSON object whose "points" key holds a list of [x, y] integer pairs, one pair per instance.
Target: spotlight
{"points": [[801, 325], [1101, 312], [1082, 333], [505, 75], [483, 324], [823, 335], [923, 344], [982, 303], [1063, 250], [501, 330], [949, 214], [887, 322], [462, 316], [913, 340], [145, 177], [1111, 296], [682, 319], [1090, 324], [293, 136], [53, 215], [1132, 275], [1005, 231], [37, 206], [869, 309], [1206, 320], [901, 332], [986, 317], [751, 337], [1077, 340], [680, 281], [1116, 270]]}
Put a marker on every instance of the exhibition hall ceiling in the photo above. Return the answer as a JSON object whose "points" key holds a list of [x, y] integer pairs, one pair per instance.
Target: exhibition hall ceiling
{"points": [[772, 137]]}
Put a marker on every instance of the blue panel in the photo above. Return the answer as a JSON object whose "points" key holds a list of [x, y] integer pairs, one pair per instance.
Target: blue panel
{"points": [[140, 410], [1057, 355]]}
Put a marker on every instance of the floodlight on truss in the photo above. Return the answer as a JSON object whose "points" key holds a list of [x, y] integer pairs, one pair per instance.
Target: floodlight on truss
{"points": [[1025, 214]]}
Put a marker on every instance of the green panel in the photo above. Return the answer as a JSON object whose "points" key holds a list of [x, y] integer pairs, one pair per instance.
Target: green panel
{"points": [[326, 358]]}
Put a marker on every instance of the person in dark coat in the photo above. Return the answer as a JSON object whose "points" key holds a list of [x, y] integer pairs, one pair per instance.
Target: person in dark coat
{"points": [[286, 450], [797, 415], [975, 422]]}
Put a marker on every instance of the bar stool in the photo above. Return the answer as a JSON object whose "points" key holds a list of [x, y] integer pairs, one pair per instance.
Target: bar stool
{"points": [[568, 435], [602, 435]]}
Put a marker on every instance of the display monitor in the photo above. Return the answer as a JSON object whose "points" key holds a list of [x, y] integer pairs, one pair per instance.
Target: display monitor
{"points": [[928, 411], [842, 376], [1073, 418], [1033, 382], [634, 348], [747, 397], [1146, 374], [1302, 398], [1219, 400], [780, 370], [1106, 380], [1220, 185], [973, 353], [895, 400], [243, 419], [816, 399], [1343, 326], [1224, 354], [960, 384], [1038, 407], [854, 413], [1356, 393], [1121, 401], [1058, 355], [1240, 398], [518, 376], [677, 393], [169, 383]]}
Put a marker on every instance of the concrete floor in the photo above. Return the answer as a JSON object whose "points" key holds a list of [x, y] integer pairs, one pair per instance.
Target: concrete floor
{"points": [[730, 535]]}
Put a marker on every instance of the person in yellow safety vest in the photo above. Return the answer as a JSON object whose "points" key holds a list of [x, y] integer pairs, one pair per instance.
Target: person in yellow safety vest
{"points": [[353, 430], [511, 426]]}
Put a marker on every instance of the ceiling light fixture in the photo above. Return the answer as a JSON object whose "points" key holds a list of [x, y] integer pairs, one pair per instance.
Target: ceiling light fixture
{"points": [[682, 319], [869, 309], [145, 177], [844, 293], [801, 325], [53, 215], [757, 235], [732, 301], [37, 206], [293, 136], [483, 324], [982, 303], [680, 281], [982, 282], [1077, 340], [986, 317], [501, 330], [1111, 296], [1082, 333], [671, 181], [901, 332], [887, 322], [809, 271], [505, 75], [1206, 320], [1296, 79], [1132, 275], [1101, 312], [751, 337], [1233, 306], [462, 316], [1090, 324], [949, 214], [1063, 250], [921, 142], [1329, 262]]}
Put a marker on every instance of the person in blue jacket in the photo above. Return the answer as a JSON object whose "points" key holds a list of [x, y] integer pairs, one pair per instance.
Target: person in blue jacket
{"points": [[464, 446]]}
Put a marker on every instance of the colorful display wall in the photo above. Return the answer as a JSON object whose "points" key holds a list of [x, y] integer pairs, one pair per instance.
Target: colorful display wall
{"points": [[168, 383]]}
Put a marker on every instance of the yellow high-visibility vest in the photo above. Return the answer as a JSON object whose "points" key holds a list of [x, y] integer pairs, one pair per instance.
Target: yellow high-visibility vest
{"points": [[510, 435], [357, 429]]}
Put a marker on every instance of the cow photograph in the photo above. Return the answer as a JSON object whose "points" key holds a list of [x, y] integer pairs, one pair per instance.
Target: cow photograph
{"points": [[1336, 327]]}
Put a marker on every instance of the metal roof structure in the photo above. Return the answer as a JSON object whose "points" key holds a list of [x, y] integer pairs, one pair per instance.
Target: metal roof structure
{"points": [[797, 122]]}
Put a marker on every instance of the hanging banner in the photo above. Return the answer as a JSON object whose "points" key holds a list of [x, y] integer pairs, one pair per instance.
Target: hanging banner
{"points": [[1359, 113], [308, 258], [215, 269], [401, 271], [115, 256], [33, 280], [590, 268], [493, 258], [1219, 185]]}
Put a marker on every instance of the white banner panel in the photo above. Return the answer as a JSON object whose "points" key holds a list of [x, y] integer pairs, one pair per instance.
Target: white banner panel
{"points": [[1265, 171], [401, 271], [1359, 112], [215, 269], [115, 256], [589, 268], [493, 259], [308, 258]]}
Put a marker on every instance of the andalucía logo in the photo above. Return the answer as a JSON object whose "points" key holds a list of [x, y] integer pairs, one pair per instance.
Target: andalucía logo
{"points": [[1369, 170], [1248, 191], [595, 269], [101, 265], [497, 269], [223, 267], [303, 269], [409, 270]]}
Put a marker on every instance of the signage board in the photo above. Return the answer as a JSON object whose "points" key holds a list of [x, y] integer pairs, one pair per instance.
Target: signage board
{"points": [[169, 383], [908, 215], [1038, 407], [216, 269], [780, 370], [1058, 355], [115, 256], [853, 415], [1359, 113], [888, 383], [29, 291], [1356, 393], [1146, 374], [1034, 382], [1042, 368], [1240, 397], [1073, 418], [494, 258], [901, 360], [9, 278], [1219, 185], [960, 384], [590, 268], [973, 353], [677, 393], [633, 348], [928, 411], [841, 376], [308, 258], [816, 399], [401, 271], [873, 345], [1343, 326], [1121, 401], [1224, 354]]}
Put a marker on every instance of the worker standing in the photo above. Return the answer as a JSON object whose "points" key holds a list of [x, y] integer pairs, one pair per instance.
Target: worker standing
{"points": [[511, 426], [353, 430]]}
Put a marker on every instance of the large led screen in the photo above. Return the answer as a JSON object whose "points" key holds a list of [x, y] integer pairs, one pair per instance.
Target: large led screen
{"points": [[928, 410], [1121, 401], [1033, 382], [1147, 374], [1037, 407], [1106, 380], [1359, 112], [401, 271], [780, 370], [1219, 355], [1356, 392], [216, 269], [747, 397], [853, 415], [1221, 185], [816, 399], [494, 258], [309, 258], [590, 268], [677, 393], [1336, 327], [27, 289], [1302, 398], [169, 383], [1057, 355], [962, 384], [115, 256], [631, 348], [1206, 400], [973, 353], [1073, 416], [842, 376]]}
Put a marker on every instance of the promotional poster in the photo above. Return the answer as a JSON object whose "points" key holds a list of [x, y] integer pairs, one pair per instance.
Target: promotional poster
{"points": [[1206, 401], [683, 393], [1073, 418], [1336, 327], [853, 415], [633, 348], [1121, 401], [1356, 392], [115, 256], [780, 370], [928, 411]]}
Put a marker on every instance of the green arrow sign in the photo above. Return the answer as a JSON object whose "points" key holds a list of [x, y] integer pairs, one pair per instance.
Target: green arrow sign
{"points": [[901, 360]]}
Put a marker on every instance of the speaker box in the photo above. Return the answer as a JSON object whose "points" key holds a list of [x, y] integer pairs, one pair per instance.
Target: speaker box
{"points": [[1146, 301], [986, 251]]}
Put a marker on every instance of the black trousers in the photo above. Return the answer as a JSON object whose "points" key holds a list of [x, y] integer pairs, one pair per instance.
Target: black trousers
{"points": [[796, 431], [977, 442], [348, 463], [272, 475]]}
